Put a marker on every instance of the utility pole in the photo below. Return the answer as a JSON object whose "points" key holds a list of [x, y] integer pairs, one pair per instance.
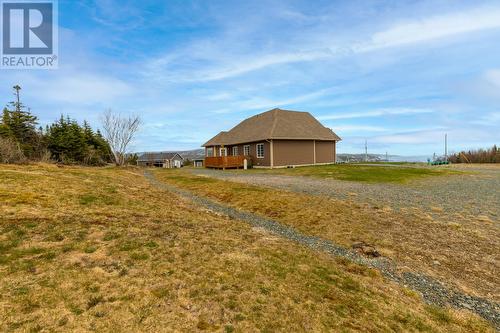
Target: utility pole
{"points": [[386, 157], [446, 147], [366, 150]]}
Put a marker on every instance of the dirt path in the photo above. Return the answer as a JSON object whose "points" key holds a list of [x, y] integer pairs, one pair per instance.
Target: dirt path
{"points": [[466, 196], [433, 291]]}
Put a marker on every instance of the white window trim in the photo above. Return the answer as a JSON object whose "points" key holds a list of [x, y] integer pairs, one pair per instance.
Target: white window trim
{"points": [[257, 150], [210, 152], [246, 150], [235, 149], [220, 152]]}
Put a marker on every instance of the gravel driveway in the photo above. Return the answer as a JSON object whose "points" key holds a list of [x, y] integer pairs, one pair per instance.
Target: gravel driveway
{"points": [[471, 195]]}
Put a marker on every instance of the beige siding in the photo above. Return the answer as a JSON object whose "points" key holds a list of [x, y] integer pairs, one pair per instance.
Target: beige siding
{"points": [[325, 151], [293, 152], [266, 161]]}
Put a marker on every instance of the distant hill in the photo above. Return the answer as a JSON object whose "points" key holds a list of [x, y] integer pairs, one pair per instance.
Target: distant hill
{"points": [[186, 154], [192, 154], [346, 158]]}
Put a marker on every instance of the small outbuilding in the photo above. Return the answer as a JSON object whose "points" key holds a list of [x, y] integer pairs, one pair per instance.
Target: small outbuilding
{"points": [[198, 162], [161, 160]]}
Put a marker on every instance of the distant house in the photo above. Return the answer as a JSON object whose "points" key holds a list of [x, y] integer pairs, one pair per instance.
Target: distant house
{"points": [[161, 160], [276, 138]]}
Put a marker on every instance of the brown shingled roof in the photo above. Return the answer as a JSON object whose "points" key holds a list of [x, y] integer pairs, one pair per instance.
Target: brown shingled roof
{"points": [[275, 124], [146, 157]]}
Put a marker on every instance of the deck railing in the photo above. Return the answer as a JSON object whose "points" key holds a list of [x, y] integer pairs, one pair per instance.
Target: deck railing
{"points": [[223, 162]]}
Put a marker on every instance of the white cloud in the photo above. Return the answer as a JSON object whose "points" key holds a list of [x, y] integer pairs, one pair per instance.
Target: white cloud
{"points": [[217, 59], [223, 96], [432, 28], [262, 62], [262, 103], [375, 113], [223, 111], [358, 128], [115, 15], [435, 136], [483, 88], [493, 117], [420, 137], [490, 119], [493, 77], [220, 71], [265, 103], [78, 88]]}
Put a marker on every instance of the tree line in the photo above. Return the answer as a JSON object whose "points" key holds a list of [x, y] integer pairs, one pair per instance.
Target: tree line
{"points": [[65, 140], [491, 155]]}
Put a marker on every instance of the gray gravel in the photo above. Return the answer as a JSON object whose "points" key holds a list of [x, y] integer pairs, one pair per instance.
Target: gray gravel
{"points": [[468, 194], [432, 290]]}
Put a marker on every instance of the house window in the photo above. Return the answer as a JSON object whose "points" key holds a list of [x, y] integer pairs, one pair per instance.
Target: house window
{"points": [[246, 150], [210, 152], [260, 150], [235, 151], [223, 152]]}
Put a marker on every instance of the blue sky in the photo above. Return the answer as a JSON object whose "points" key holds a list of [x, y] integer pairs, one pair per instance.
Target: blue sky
{"points": [[397, 73]]}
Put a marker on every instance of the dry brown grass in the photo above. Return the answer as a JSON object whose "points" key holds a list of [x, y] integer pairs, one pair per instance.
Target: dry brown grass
{"points": [[85, 249], [462, 252], [478, 166]]}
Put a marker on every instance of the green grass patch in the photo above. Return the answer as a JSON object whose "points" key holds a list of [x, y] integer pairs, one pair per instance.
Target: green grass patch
{"points": [[95, 199], [139, 256], [49, 255], [88, 199], [90, 248], [186, 180], [440, 314], [161, 292], [129, 245], [110, 235]]}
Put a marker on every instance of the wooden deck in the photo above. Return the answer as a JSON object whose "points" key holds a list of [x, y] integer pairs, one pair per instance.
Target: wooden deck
{"points": [[226, 162]]}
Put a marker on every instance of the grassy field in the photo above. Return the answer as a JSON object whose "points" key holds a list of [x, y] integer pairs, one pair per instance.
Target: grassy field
{"points": [[460, 251], [88, 249], [379, 173]]}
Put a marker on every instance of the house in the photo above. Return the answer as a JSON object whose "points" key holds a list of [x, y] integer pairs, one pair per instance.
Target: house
{"points": [[161, 160], [276, 138]]}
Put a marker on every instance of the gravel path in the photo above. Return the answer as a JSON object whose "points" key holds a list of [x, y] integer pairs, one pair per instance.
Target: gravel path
{"points": [[468, 194], [433, 291]]}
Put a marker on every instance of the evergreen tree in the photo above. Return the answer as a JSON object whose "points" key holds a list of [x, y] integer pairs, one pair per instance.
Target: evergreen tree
{"points": [[69, 142], [5, 131], [132, 159], [20, 126], [65, 139]]}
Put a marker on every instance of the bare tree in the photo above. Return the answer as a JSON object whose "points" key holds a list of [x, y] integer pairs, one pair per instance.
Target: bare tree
{"points": [[119, 131]]}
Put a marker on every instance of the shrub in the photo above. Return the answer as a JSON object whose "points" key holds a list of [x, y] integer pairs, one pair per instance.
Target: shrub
{"points": [[477, 156], [10, 151]]}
